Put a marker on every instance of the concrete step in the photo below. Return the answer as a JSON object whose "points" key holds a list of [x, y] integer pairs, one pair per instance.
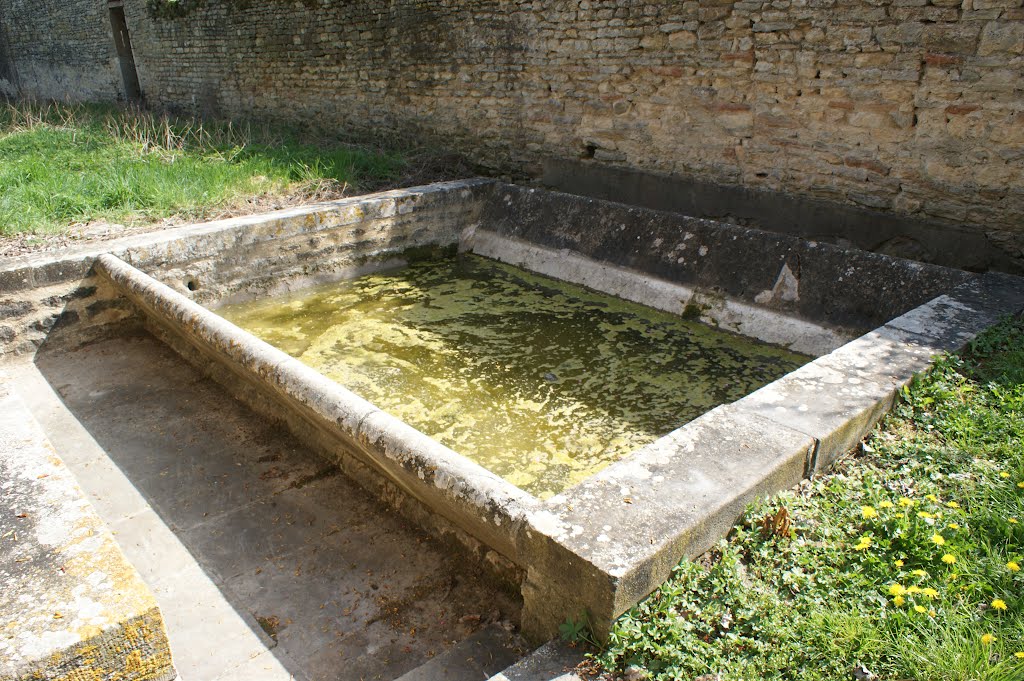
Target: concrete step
{"points": [[477, 658], [553, 661]]}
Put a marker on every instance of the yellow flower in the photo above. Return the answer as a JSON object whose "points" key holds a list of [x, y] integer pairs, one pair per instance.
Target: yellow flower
{"points": [[906, 502], [931, 497], [1003, 474], [938, 539], [868, 512], [987, 638], [923, 514], [896, 590], [954, 575], [919, 573], [999, 604], [930, 593], [952, 504], [1019, 655], [919, 608], [912, 589], [954, 526], [1013, 566], [898, 600], [899, 563], [931, 613], [863, 544], [885, 504], [1012, 521], [948, 559], [1021, 484]]}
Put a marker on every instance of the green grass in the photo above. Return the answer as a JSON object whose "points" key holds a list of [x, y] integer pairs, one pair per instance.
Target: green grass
{"points": [[899, 560], [67, 164]]}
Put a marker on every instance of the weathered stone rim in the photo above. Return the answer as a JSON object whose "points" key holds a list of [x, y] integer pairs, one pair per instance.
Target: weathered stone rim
{"points": [[605, 544]]}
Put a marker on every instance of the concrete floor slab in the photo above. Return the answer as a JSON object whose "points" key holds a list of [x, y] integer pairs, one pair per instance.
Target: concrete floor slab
{"points": [[480, 656], [240, 531], [553, 661]]}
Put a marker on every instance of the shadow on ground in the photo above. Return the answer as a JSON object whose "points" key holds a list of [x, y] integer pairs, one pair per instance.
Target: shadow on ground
{"points": [[335, 585]]}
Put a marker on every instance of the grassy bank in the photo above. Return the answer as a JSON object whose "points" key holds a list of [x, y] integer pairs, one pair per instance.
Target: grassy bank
{"points": [[66, 164], [906, 559]]}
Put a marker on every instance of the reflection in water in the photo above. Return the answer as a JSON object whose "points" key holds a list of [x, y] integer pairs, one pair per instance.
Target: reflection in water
{"points": [[542, 382]]}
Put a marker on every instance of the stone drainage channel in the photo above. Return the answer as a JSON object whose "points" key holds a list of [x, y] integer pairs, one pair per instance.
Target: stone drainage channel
{"points": [[298, 531]]}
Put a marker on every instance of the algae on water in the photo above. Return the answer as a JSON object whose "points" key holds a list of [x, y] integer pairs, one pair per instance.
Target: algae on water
{"points": [[539, 381]]}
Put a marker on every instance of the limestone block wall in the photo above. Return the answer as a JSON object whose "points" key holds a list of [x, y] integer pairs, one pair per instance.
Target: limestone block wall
{"points": [[914, 107], [58, 49]]}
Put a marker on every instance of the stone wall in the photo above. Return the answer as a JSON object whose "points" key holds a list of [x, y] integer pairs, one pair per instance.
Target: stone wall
{"points": [[58, 49], [910, 107]]}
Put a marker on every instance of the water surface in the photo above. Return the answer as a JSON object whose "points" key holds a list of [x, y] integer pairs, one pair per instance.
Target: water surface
{"points": [[539, 381]]}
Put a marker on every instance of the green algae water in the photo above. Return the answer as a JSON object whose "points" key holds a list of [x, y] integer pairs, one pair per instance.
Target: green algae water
{"points": [[539, 381]]}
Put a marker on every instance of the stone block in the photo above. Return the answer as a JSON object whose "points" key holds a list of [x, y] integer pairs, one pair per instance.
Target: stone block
{"points": [[603, 545], [71, 604]]}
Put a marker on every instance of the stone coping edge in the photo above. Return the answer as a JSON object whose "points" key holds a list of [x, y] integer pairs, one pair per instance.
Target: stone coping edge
{"points": [[176, 244], [71, 605], [604, 545], [483, 504]]}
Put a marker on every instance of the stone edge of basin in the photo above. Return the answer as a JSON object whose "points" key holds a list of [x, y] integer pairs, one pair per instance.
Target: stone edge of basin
{"points": [[604, 545], [581, 550], [485, 505], [40, 269], [54, 297], [73, 605]]}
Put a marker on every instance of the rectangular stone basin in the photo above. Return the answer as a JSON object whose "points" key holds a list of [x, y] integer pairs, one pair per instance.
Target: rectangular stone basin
{"points": [[542, 382], [603, 542]]}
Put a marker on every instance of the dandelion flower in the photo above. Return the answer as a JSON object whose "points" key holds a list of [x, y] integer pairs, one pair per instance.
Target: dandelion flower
{"points": [[919, 608], [987, 638], [885, 504], [931, 497], [948, 559], [938, 539], [868, 512], [1021, 484], [912, 589], [952, 504], [931, 613], [1003, 474], [1012, 521], [904, 501], [897, 590], [899, 563], [925, 515], [1019, 655], [954, 526], [898, 600], [863, 544], [1013, 566], [999, 604], [930, 593], [919, 573]]}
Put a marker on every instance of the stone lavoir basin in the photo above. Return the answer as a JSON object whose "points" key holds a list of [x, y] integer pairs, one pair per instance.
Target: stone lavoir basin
{"points": [[542, 382], [573, 393]]}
